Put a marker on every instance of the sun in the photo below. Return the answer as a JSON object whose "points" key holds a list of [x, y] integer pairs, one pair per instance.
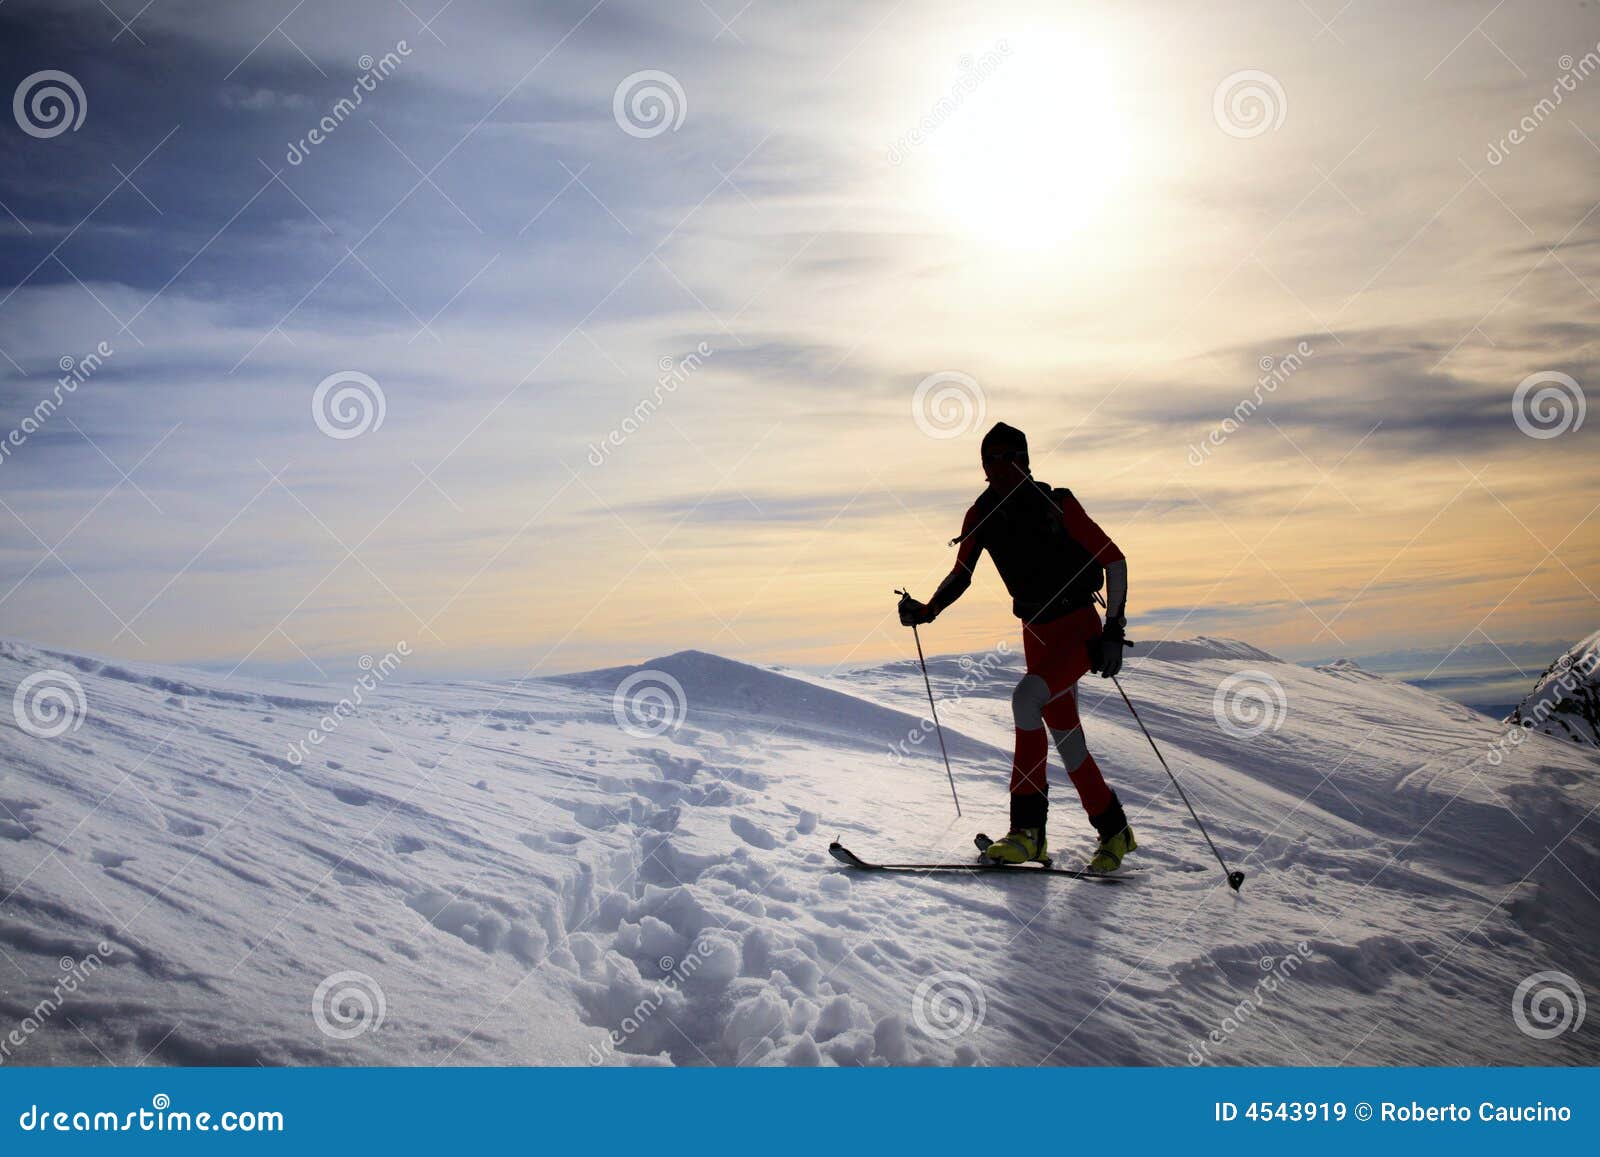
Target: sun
{"points": [[1037, 147]]}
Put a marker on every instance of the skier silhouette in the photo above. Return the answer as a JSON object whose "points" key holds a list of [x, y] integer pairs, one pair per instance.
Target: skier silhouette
{"points": [[1052, 558]]}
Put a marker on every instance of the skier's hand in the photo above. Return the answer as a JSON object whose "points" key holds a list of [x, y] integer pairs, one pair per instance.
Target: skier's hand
{"points": [[1107, 649], [912, 612]]}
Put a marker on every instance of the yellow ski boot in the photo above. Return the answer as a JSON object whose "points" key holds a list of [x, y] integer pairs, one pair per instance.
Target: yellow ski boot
{"points": [[1019, 847]]}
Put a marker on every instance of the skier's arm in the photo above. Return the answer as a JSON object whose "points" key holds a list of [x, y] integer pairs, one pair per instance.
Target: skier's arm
{"points": [[1098, 543], [1117, 589], [955, 583]]}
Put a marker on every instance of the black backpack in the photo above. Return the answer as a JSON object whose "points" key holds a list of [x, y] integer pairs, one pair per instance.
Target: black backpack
{"points": [[1047, 572]]}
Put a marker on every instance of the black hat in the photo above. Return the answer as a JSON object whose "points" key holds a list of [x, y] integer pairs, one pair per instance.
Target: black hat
{"points": [[1003, 437]]}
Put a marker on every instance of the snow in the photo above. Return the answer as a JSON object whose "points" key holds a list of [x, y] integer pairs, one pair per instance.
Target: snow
{"points": [[1565, 702], [497, 873]]}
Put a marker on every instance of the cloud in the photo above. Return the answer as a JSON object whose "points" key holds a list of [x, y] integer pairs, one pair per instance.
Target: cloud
{"points": [[482, 239]]}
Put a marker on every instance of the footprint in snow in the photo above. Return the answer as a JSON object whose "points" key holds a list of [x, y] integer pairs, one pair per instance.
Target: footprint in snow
{"points": [[752, 833]]}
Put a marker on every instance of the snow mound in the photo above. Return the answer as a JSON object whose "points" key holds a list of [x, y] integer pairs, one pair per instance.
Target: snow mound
{"points": [[724, 693], [1199, 649], [1565, 701]]}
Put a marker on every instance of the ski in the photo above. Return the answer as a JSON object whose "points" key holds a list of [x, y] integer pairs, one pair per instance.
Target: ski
{"points": [[848, 858]]}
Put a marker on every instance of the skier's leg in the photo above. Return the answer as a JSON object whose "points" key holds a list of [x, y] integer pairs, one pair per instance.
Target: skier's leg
{"points": [[1100, 803], [1030, 803], [1030, 800], [1067, 730], [1067, 660]]}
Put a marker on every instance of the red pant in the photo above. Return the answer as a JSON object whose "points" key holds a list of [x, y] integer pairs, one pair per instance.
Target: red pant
{"points": [[1057, 655]]}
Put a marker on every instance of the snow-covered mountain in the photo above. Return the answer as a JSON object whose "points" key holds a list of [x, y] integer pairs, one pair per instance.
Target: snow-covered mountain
{"points": [[1565, 702], [225, 871]]}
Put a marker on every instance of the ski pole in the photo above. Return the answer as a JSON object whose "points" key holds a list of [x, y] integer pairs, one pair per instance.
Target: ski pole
{"points": [[935, 711], [1235, 877]]}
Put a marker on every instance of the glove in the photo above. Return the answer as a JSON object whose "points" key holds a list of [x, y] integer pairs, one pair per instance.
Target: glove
{"points": [[912, 612], [1105, 653]]}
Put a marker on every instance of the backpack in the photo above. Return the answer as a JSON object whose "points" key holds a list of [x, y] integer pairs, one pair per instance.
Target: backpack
{"points": [[1047, 572]]}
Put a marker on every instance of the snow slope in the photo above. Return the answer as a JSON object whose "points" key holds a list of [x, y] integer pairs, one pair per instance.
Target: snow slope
{"points": [[489, 873], [1565, 702]]}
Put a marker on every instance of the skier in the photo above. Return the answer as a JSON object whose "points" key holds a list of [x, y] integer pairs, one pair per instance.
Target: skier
{"points": [[1051, 556]]}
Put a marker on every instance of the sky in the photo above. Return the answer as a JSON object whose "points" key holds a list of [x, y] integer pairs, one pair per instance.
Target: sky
{"points": [[596, 331]]}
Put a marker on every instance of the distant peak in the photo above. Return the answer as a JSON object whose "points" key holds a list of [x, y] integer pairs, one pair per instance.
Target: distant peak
{"points": [[1342, 666], [1199, 648]]}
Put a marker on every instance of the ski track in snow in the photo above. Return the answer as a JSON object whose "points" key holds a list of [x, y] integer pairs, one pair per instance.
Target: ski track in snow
{"points": [[526, 883]]}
